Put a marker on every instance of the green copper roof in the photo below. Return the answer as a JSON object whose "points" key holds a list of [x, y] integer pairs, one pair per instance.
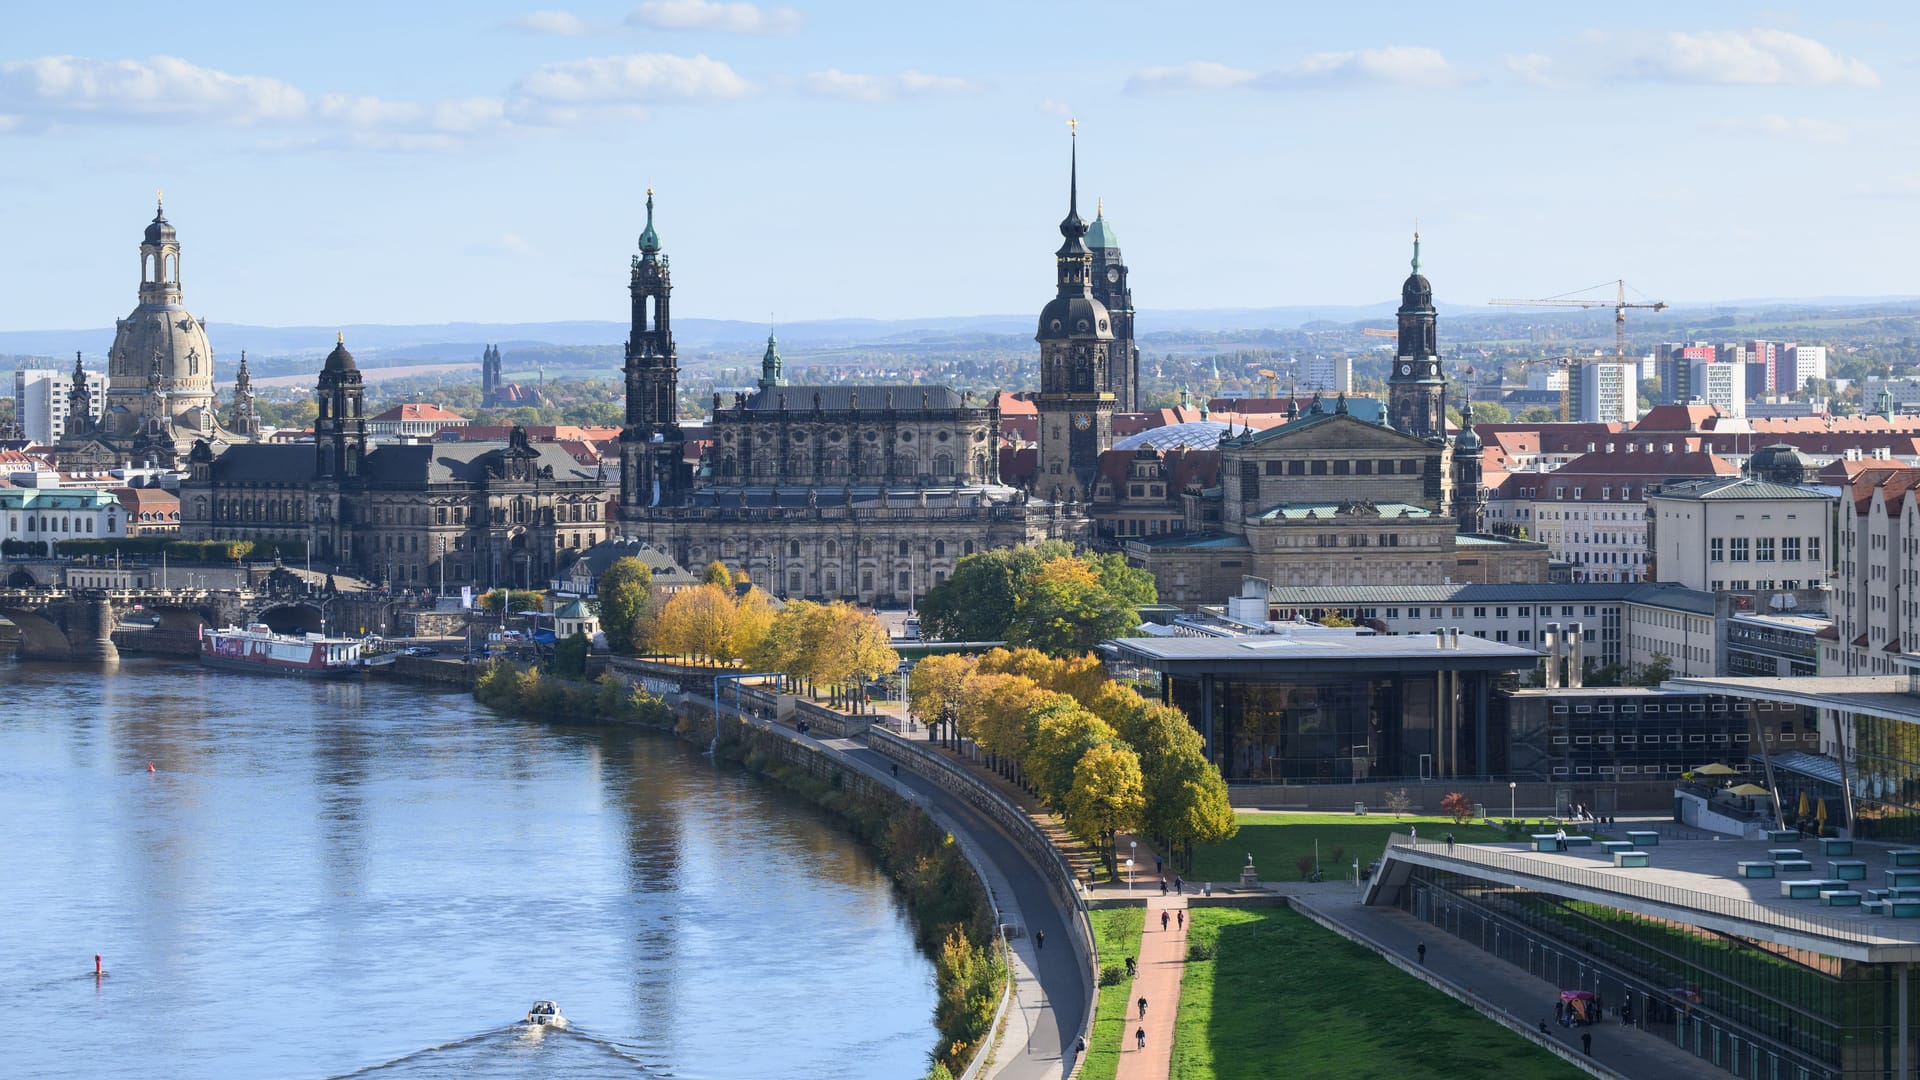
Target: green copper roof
{"points": [[1101, 235], [649, 240]]}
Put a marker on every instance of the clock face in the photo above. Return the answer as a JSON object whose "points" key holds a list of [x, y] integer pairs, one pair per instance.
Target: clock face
{"points": [[1083, 421], [1406, 369], [1113, 275]]}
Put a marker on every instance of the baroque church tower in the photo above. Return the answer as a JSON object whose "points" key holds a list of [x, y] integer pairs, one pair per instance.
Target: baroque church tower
{"points": [[1416, 391], [1110, 287], [652, 447], [1076, 337], [340, 428], [246, 421]]}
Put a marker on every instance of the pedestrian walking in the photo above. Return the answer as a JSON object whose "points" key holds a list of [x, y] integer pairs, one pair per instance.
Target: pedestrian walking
{"points": [[1180, 919], [1039, 940], [1421, 949], [1143, 1006], [1163, 920], [1543, 1027], [896, 770], [1586, 1043], [1163, 886], [1157, 867], [1559, 1010], [1080, 1045], [1415, 831], [1449, 843], [1179, 884], [1139, 1038]]}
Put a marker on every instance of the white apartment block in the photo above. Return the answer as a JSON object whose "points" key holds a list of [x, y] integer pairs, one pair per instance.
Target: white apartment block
{"points": [[1740, 534], [1721, 385], [1328, 375], [1606, 392], [41, 399], [1875, 614], [1807, 362]]}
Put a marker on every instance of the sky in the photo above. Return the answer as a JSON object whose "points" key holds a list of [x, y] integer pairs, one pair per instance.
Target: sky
{"points": [[484, 161]]}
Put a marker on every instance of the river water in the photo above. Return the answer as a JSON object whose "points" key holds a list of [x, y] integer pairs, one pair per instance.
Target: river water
{"points": [[328, 879]]}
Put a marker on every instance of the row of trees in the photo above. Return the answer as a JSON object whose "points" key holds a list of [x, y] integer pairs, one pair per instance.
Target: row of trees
{"points": [[719, 622], [1042, 597], [1106, 758]]}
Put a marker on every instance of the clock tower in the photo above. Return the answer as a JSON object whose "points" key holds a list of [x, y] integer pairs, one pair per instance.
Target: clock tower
{"points": [[1416, 390], [1076, 337], [1110, 287], [652, 472]]}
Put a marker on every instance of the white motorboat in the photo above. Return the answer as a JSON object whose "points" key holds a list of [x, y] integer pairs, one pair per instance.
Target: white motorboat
{"points": [[545, 1014]]}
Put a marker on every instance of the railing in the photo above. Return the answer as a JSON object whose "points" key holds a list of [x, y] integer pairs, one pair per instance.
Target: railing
{"points": [[1865, 932]]}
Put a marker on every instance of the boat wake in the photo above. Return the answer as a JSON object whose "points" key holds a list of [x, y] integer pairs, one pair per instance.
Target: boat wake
{"points": [[504, 1052]]}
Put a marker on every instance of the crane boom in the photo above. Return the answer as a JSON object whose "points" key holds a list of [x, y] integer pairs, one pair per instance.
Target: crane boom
{"points": [[1619, 304]]}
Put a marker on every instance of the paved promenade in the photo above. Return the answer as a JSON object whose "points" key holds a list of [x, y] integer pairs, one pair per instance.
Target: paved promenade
{"points": [[1162, 964]]}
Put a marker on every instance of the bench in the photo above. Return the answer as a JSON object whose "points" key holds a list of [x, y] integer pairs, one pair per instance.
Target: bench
{"points": [[1800, 890], [1783, 836], [1795, 866], [1644, 839], [1847, 869], [1904, 878], [1902, 892], [1776, 854], [1840, 897], [1756, 869], [1548, 842], [1903, 857], [1616, 845], [1631, 858], [1574, 841], [1833, 845], [1905, 908], [1874, 907]]}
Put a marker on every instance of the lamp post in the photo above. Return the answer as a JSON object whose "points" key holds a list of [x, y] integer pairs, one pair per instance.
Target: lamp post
{"points": [[1513, 798], [1129, 875]]}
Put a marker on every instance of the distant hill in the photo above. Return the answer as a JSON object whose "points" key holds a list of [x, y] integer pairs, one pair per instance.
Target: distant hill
{"points": [[453, 341]]}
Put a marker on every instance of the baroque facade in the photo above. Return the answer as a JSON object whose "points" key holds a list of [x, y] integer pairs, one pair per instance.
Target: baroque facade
{"points": [[865, 493], [412, 515]]}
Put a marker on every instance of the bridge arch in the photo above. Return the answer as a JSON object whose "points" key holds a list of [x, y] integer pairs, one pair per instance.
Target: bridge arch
{"points": [[40, 638], [292, 618]]}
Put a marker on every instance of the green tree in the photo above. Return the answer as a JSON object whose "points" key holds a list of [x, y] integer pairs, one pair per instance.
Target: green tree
{"points": [[977, 602], [1540, 414], [1059, 732], [515, 600], [1063, 608], [570, 656], [626, 596], [1492, 412]]}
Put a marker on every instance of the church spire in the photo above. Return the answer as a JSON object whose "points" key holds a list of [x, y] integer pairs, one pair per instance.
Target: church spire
{"points": [[770, 364], [1416, 251], [649, 240]]}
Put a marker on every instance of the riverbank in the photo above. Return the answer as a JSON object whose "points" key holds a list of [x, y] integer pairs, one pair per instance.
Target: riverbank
{"points": [[953, 916]]}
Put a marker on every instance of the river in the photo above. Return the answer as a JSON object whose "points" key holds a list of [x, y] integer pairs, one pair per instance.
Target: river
{"points": [[319, 880]]}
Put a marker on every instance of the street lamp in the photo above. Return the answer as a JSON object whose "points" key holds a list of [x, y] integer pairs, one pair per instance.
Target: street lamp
{"points": [[1129, 875], [1513, 798]]}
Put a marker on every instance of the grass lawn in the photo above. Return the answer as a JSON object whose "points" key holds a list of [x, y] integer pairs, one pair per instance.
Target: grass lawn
{"points": [[1278, 839], [1116, 933], [1285, 997]]}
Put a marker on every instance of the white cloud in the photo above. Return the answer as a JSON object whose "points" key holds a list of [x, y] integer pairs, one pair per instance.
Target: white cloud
{"points": [[638, 79], [162, 87], [1791, 128], [454, 116], [731, 18], [1534, 69], [556, 23], [1401, 65], [1057, 108], [1197, 75], [1392, 65], [1758, 57], [847, 86]]}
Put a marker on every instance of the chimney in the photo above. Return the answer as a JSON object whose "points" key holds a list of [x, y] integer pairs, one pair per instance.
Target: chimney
{"points": [[1439, 637], [1453, 637], [1573, 655], [1550, 642]]}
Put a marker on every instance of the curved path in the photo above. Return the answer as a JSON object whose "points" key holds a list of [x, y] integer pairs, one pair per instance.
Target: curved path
{"points": [[1052, 991]]}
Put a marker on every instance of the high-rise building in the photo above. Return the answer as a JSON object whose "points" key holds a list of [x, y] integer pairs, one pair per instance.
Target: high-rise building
{"points": [[1763, 369], [1673, 362], [1328, 375], [44, 398], [1416, 391], [1723, 386], [1603, 391], [1806, 362]]}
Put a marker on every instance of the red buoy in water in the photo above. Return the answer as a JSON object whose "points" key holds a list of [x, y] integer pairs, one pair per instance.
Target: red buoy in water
{"points": [[149, 766], [97, 973]]}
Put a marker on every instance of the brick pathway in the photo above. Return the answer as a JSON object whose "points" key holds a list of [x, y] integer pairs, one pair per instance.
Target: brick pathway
{"points": [[1163, 960]]}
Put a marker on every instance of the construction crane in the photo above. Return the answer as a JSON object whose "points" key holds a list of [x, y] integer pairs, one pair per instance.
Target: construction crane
{"points": [[1565, 364], [1273, 381], [1619, 304], [1379, 331]]}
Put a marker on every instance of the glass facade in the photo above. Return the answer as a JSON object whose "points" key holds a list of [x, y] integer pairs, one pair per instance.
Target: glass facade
{"points": [[1752, 1008], [1885, 776], [1644, 735]]}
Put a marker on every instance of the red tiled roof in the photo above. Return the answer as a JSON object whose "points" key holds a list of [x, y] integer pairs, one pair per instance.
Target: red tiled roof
{"points": [[417, 410]]}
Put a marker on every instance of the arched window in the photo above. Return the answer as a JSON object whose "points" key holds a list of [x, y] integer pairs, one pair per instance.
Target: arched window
{"points": [[942, 465], [906, 581], [793, 584], [903, 547], [793, 549], [939, 547], [967, 548], [833, 547]]}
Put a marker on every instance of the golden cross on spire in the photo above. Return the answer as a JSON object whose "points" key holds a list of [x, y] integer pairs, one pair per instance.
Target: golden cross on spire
{"points": [[339, 337], [1073, 125], [159, 198]]}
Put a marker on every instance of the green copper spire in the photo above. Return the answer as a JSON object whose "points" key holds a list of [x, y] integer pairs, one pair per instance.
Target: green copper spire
{"points": [[770, 364], [649, 240], [1416, 248]]}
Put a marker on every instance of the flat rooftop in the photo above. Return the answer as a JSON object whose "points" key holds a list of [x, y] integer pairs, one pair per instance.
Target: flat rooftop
{"points": [[1879, 695], [1322, 645], [1696, 881]]}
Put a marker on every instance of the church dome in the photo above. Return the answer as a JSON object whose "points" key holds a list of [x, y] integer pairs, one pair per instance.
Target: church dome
{"points": [[1193, 435], [160, 230], [1101, 235], [1076, 316], [340, 359], [1467, 440], [1781, 463], [1417, 292]]}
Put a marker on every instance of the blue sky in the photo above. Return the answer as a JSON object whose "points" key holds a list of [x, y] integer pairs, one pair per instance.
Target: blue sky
{"points": [[486, 161]]}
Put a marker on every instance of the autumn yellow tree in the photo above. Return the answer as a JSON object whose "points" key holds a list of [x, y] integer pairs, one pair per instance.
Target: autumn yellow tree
{"points": [[934, 688], [753, 617], [697, 622], [1107, 796], [854, 646], [1059, 731], [993, 710]]}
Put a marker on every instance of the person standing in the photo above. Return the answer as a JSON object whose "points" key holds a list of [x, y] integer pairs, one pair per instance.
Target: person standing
{"points": [[1163, 920], [1039, 940], [1586, 1043], [1449, 843], [1180, 919], [1421, 949]]}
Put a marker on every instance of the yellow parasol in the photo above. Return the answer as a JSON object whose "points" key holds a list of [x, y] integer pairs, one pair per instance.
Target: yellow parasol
{"points": [[1820, 815], [1747, 789], [1715, 769]]}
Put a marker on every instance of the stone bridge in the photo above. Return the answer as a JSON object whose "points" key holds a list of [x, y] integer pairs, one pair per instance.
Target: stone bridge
{"points": [[92, 625]]}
